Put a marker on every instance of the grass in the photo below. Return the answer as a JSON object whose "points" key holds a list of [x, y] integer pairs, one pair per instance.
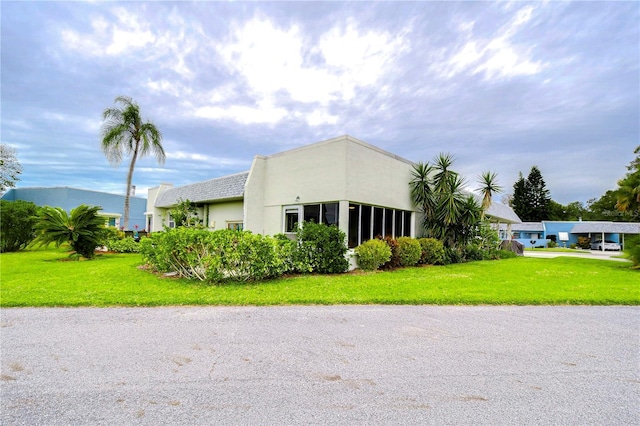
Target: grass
{"points": [[46, 278]]}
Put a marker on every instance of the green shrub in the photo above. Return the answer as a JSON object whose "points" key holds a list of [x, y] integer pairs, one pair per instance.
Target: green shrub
{"points": [[409, 251], [372, 254], [506, 254], [432, 251], [321, 249], [473, 253], [453, 255], [124, 245], [82, 228], [552, 244], [17, 222], [196, 253], [632, 250]]}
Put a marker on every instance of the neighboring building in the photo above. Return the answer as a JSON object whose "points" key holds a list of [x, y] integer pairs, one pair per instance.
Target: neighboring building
{"points": [[566, 233], [69, 198], [362, 189]]}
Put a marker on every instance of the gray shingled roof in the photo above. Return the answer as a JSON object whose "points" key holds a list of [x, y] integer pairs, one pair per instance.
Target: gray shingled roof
{"points": [[222, 188], [606, 227], [498, 211]]}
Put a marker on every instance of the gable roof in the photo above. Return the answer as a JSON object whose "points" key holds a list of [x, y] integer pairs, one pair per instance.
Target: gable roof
{"points": [[606, 227], [219, 189]]}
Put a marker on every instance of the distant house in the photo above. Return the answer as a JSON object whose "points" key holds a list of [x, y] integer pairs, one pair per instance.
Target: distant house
{"points": [[566, 233], [68, 198], [361, 188]]}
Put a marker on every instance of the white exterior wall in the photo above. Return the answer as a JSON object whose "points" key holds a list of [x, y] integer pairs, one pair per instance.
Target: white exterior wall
{"points": [[339, 170], [220, 214], [158, 215]]}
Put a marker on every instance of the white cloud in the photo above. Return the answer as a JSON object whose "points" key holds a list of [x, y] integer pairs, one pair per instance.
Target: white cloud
{"points": [[496, 57], [280, 65]]}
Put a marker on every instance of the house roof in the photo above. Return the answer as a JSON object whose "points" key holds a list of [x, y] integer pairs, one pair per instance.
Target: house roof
{"points": [[498, 212], [218, 189], [503, 213], [525, 227], [606, 227]]}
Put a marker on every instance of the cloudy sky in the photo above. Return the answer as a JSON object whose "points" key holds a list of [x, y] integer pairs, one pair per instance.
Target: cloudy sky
{"points": [[502, 86]]}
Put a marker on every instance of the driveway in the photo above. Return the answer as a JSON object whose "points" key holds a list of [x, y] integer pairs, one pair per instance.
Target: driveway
{"points": [[357, 365], [591, 254]]}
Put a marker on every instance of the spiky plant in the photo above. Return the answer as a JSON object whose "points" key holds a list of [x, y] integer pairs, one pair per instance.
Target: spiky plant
{"points": [[82, 228]]}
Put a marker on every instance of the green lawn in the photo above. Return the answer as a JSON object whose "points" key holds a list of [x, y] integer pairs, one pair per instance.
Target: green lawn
{"points": [[47, 278]]}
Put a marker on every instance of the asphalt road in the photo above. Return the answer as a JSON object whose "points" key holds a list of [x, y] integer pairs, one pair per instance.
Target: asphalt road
{"points": [[352, 365]]}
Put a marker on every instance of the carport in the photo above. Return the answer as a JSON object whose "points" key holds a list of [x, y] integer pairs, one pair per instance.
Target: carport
{"points": [[606, 228]]}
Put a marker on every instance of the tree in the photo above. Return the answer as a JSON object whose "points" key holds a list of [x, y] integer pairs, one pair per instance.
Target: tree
{"points": [[83, 228], [17, 221], [185, 214], [10, 167], [124, 133], [531, 198], [488, 186], [450, 214], [628, 192]]}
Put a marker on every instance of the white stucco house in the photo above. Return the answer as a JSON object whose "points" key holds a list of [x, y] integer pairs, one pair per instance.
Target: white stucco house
{"points": [[362, 189]]}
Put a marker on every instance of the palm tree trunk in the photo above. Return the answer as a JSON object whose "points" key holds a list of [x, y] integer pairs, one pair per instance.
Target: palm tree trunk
{"points": [[127, 196]]}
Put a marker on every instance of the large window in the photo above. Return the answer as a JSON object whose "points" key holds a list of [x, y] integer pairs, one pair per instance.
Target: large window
{"points": [[367, 222], [327, 213]]}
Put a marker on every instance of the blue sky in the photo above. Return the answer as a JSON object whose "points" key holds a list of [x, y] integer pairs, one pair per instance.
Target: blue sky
{"points": [[502, 86]]}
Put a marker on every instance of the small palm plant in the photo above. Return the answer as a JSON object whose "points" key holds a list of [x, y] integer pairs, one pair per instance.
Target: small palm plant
{"points": [[82, 228]]}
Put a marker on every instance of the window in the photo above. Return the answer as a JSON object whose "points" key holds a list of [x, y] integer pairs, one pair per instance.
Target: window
{"points": [[330, 213], [406, 228], [388, 222], [367, 222], [327, 213], [291, 219], [354, 224], [235, 226], [172, 223], [312, 213]]}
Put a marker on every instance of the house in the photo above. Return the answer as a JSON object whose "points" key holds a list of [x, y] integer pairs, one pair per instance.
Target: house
{"points": [[566, 233], [69, 198], [344, 181]]}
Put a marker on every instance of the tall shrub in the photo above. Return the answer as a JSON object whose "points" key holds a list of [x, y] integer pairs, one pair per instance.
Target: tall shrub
{"points": [[409, 251], [17, 221], [321, 248], [432, 251]]}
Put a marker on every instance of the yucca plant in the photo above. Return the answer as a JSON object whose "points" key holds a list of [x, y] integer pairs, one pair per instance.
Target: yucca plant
{"points": [[82, 228]]}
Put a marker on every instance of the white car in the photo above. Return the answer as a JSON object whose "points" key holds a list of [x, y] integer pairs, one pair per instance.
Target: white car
{"points": [[608, 245]]}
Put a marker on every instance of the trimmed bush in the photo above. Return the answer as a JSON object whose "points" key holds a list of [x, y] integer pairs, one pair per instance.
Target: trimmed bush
{"points": [[124, 245], [321, 249], [216, 256], [432, 251], [17, 222], [372, 254], [409, 251]]}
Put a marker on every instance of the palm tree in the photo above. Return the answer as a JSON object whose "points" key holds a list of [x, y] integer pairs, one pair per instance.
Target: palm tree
{"points": [[437, 190], [488, 186], [83, 228], [124, 133]]}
